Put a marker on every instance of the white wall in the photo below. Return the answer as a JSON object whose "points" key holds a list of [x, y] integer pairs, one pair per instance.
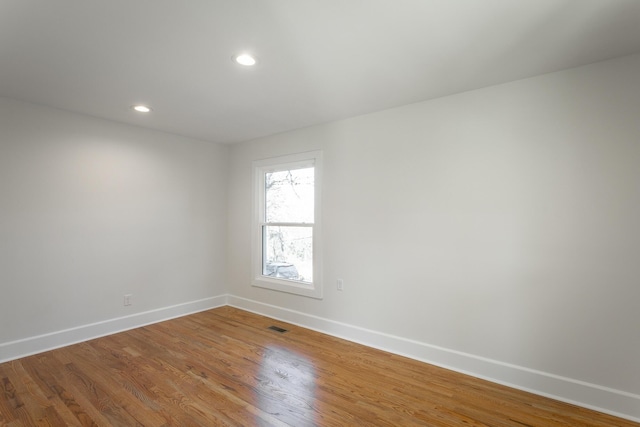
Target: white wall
{"points": [[91, 210], [500, 224], [495, 231]]}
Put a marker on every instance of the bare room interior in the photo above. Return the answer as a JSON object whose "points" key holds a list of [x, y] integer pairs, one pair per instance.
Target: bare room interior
{"points": [[332, 213]]}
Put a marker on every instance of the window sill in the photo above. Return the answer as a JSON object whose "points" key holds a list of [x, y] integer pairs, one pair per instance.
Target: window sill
{"points": [[311, 290]]}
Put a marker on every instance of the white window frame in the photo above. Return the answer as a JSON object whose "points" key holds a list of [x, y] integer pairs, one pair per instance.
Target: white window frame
{"points": [[260, 168]]}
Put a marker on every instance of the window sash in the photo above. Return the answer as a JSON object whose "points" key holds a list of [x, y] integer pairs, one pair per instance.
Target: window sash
{"points": [[293, 268]]}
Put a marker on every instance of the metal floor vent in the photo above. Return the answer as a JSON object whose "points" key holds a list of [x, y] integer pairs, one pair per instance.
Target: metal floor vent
{"points": [[275, 328]]}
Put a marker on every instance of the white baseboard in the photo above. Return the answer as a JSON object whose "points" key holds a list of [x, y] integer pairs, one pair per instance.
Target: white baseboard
{"points": [[615, 402], [38, 344], [603, 399]]}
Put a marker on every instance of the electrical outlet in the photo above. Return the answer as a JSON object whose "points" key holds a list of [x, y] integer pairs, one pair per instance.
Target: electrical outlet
{"points": [[127, 299], [340, 284]]}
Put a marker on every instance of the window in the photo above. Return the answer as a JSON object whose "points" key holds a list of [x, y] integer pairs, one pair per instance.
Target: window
{"points": [[286, 236]]}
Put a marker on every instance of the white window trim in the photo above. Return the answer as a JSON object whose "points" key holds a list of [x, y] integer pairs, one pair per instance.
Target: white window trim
{"points": [[313, 290]]}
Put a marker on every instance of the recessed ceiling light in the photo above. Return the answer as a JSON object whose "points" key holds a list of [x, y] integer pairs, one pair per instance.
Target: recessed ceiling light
{"points": [[245, 59], [141, 108]]}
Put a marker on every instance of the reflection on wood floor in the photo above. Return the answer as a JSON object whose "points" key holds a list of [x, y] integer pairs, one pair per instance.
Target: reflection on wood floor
{"points": [[225, 367]]}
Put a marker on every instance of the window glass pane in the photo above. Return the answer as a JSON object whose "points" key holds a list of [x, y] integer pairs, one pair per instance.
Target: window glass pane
{"points": [[289, 195], [288, 253]]}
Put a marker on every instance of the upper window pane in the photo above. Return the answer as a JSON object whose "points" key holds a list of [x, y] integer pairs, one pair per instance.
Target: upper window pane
{"points": [[289, 195]]}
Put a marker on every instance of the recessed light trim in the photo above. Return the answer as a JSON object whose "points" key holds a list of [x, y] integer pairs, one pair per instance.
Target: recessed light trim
{"points": [[141, 108], [245, 59]]}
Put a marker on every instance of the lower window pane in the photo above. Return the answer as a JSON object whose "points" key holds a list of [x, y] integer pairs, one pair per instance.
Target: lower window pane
{"points": [[288, 253]]}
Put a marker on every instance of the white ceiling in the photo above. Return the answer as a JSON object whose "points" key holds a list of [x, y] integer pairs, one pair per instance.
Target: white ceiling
{"points": [[319, 60]]}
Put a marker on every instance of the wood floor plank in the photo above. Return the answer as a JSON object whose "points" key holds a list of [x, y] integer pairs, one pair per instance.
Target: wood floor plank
{"points": [[225, 367]]}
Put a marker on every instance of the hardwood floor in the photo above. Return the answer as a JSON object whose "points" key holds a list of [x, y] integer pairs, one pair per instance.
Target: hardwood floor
{"points": [[225, 367]]}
